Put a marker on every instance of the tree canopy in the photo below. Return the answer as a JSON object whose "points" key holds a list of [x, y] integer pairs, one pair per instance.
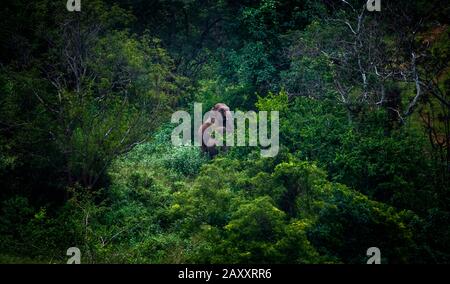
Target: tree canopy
{"points": [[86, 158]]}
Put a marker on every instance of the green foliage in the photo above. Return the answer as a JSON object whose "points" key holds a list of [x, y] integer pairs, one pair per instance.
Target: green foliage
{"points": [[258, 227], [362, 155], [309, 75], [86, 158], [185, 160], [274, 102]]}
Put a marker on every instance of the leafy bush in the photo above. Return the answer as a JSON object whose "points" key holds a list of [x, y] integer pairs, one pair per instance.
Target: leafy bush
{"points": [[185, 160]]}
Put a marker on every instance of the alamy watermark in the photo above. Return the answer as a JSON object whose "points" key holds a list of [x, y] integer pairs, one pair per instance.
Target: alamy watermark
{"points": [[222, 127], [375, 255], [75, 255], [73, 5], [373, 5]]}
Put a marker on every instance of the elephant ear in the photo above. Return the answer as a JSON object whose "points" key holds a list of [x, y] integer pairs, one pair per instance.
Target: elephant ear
{"points": [[210, 120]]}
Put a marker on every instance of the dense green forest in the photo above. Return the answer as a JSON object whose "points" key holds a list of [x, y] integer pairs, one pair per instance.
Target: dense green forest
{"points": [[86, 158]]}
